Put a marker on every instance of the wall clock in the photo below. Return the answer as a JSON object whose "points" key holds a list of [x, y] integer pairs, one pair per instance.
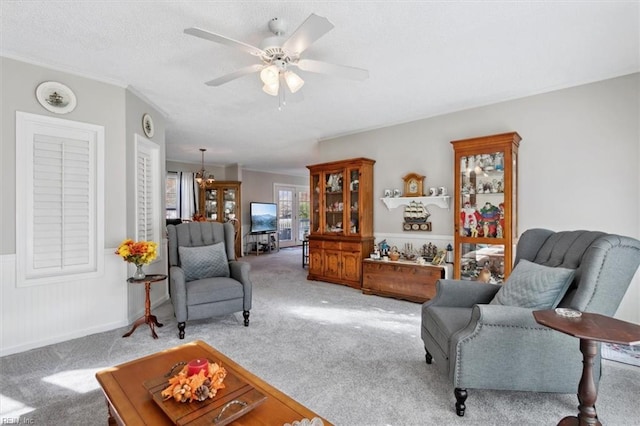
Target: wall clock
{"points": [[56, 97], [413, 185], [147, 125]]}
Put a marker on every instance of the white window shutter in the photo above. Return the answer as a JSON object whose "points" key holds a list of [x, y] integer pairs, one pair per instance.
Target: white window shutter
{"points": [[148, 190], [59, 198]]}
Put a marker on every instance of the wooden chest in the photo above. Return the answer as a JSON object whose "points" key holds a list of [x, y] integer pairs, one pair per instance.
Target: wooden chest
{"points": [[400, 279]]}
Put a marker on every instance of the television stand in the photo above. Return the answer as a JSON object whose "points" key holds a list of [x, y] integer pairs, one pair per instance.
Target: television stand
{"points": [[263, 242]]}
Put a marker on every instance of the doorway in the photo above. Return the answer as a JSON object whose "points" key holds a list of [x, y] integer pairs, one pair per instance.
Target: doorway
{"points": [[293, 213]]}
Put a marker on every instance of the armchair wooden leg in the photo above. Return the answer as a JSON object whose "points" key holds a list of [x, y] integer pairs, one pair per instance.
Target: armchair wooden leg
{"points": [[181, 326], [428, 356], [245, 314], [461, 397]]}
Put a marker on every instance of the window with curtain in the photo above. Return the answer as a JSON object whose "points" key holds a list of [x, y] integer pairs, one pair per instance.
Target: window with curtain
{"points": [[59, 198], [181, 195], [171, 196]]}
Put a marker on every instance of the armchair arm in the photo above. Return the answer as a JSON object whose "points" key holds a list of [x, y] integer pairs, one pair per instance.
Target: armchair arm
{"points": [[240, 272], [462, 294], [178, 287], [503, 347]]}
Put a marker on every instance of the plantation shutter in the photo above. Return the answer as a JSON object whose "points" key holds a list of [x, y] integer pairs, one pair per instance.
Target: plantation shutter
{"points": [[145, 197], [59, 198], [148, 190], [62, 204]]}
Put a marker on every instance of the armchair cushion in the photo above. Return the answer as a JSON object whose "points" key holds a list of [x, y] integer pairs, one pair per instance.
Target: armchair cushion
{"points": [[211, 290], [204, 261], [534, 286]]}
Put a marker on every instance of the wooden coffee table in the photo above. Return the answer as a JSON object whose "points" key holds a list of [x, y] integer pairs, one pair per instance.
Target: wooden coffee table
{"points": [[130, 403]]}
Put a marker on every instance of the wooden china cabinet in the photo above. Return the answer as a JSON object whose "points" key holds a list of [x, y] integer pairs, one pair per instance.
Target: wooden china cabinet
{"points": [[341, 220], [485, 212], [220, 202]]}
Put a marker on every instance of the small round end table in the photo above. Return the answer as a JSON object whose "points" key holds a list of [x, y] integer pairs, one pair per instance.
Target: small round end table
{"points": [[147, 318]]}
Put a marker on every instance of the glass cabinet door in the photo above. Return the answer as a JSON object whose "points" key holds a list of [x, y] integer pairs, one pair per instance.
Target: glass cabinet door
{"points": [[211, 204], [334, 203], [353, 227], [482, 215], [315, 203], [229, 197], [482, 195]]}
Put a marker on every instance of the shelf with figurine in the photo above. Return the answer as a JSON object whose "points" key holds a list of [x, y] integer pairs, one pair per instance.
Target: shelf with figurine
{"points": [[442, 201]]}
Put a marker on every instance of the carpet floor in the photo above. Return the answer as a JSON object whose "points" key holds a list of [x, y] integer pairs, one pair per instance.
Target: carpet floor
{"points": [[351, 358]]}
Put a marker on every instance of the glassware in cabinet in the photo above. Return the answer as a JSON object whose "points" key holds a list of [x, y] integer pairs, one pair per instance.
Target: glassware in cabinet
{"points": [[334, 202]]}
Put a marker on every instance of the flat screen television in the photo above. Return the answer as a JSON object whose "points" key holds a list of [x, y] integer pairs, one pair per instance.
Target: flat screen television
{"points": [[264, 217]]}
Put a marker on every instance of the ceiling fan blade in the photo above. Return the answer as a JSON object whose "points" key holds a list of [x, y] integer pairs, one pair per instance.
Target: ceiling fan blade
{"points": [[207, 35], [236, 74], [343, 71], [308, 32]]}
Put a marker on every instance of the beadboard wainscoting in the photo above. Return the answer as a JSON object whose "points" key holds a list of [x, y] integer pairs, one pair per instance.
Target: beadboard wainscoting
{"points": [[40, 315]]}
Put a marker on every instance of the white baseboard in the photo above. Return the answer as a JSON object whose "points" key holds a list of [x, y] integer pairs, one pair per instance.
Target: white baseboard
{"points": [[60, 338]]}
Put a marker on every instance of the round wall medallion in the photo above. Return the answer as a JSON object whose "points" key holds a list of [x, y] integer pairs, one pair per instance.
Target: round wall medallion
{"points": [[147, 125], [56, 97]]}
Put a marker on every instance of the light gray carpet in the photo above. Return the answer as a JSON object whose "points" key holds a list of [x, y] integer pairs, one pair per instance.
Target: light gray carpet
{"points": [[354, 359]]}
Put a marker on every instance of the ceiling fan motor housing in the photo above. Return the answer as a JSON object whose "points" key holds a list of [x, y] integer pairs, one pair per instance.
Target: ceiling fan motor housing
{"points": [[276, 26]]}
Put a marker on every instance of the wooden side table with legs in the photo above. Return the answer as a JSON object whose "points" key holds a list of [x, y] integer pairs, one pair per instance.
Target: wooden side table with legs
{"points": [[147, 318], [590, 329]]}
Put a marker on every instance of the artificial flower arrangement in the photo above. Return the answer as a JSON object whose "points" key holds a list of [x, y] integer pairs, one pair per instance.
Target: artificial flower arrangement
{"points": [[185, 387], [138, 252]]}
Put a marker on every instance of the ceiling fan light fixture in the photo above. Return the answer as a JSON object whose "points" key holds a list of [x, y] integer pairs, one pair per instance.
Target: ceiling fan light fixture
{"points": [[294, 82], [272, 89], [270, 75]]}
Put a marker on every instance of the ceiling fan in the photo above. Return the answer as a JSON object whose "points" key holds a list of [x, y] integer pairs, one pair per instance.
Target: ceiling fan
{"points": [[279, 54]]}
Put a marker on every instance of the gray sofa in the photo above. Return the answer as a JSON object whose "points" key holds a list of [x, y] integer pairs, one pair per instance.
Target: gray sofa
{"points": [[481, 345], [205, 278]]}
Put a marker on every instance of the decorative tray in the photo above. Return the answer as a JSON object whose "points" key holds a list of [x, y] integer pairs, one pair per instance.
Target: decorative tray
{"points": [[233, 401]]}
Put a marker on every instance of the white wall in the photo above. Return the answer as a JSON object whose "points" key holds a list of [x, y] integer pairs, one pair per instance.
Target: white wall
{"points": [[39, 315], [578, 162]]}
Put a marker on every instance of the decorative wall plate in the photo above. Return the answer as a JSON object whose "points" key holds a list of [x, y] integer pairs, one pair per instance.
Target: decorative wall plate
{"points": [[56, 97], [147, 125]]}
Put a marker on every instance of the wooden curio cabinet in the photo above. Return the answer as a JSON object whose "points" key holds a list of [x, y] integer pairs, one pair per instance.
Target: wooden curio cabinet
{"points": [[220, 202], [341, 229], [485, 212]]}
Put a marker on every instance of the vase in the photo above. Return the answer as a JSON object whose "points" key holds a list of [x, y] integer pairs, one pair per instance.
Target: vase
{"points": [[139, 273]]}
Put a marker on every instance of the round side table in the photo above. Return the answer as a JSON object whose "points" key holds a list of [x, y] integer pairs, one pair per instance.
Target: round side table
{"points": [[590, 328], [147, 318]]}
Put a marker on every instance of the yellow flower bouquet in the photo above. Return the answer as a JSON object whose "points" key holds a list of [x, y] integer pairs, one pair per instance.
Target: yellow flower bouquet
{"points": [[139, 253]]}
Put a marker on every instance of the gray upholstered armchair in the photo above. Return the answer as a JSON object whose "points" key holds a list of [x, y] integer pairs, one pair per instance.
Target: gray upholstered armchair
{"points": [[204, 277], [481, 344]]}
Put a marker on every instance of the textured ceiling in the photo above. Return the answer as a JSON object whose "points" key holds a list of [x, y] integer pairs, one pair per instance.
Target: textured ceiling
{"points": [[424, 59]]}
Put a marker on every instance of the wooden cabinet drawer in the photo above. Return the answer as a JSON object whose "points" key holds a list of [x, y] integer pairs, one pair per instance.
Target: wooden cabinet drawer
{"points": [[402, 280], [346, 246]]}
